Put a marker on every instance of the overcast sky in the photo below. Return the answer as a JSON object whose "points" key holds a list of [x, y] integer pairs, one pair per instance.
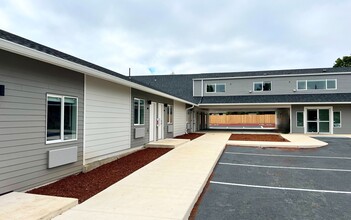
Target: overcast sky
{"points": [[187, 36]]}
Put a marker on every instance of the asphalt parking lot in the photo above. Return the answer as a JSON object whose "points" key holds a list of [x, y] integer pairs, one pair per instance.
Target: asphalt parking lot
{"points": [[252, 183]]}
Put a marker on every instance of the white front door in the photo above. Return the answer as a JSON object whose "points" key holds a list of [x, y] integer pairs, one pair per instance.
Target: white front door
{"points": [[152, 125], [160, 121]]}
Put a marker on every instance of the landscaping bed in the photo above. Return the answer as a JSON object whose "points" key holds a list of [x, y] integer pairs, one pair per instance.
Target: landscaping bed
{"points": [[85, 185], [257, 137], [190, 136]]}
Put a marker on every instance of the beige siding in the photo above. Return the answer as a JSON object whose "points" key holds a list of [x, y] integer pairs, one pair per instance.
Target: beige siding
{"points": [[179, 118], [108, 116]]}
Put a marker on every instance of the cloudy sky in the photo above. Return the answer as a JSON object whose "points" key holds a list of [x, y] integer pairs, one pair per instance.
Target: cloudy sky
{"points": [[187, 36]]}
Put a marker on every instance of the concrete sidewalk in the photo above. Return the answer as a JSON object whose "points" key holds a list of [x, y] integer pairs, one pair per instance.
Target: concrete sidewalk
{"points": [[295, 141], [167, 188], [18, 205]]}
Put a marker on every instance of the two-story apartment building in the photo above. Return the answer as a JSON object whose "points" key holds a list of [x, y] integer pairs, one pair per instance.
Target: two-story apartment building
{"points": [[310, 101], [60, 115]]}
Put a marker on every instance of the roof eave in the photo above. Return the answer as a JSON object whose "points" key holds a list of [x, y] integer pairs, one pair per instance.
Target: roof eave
{"points": [[47, 58], [275, 103]]}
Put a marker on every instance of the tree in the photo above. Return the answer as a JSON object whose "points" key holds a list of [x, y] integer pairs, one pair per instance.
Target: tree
{"points": [[344, 62]]}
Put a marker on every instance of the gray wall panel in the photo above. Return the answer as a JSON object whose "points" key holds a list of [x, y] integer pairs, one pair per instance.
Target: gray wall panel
{"points": [[345, 118], [23, 152], [280, 85]]}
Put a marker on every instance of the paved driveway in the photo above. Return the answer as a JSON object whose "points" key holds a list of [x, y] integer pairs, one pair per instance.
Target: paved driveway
{"points": [[250, 183]]}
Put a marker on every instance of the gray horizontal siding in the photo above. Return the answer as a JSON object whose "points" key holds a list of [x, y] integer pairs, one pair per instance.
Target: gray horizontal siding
{"points": [[345, 118], [137, 142], [280, 85], [23, 152]]}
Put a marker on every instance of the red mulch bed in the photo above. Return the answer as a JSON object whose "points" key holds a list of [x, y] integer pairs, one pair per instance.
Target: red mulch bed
{"points": [[85, 185], [257, 137], [190, 136]]}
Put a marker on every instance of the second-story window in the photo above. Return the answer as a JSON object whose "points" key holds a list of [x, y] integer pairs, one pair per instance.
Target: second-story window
{"points": [[328, 84], [215, 87], [262, 86]]}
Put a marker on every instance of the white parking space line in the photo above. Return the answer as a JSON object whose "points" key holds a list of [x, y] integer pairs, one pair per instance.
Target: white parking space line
{"points": [[297, 156], [280, 188], [282, 167]]}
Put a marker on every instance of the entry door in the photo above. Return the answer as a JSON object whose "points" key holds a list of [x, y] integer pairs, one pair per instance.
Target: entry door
{"points": [[318, 120], [160, 121], [152, 126]]}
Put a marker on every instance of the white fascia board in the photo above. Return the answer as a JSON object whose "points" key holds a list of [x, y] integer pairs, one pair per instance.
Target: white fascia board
{"points": [[272, 76], [47, 58], [282, 103]]}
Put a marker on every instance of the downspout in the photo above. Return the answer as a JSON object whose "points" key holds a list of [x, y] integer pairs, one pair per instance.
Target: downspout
{"points": [[186, 110]]}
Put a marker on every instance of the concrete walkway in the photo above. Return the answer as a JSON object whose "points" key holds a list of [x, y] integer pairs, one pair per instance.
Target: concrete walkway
{"points": [[167, 188], [295, 141], [17, 205]]}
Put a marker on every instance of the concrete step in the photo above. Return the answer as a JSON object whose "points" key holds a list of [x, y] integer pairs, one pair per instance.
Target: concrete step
{"points": [[167, 143], [18, 205]]}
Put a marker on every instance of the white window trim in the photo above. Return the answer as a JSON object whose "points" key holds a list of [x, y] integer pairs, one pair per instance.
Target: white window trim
{"points": [[340, 120], [62, 131], [215, 87], [336, 84], [303, 119], [207, 84], [325, 80], [331, 118], [253, 86], [297, 85], [139, 111], [168, 108]]}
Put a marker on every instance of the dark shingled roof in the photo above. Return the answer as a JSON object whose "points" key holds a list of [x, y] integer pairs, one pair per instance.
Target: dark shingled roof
{"points": [[295, 98], [39, 47], [181, 86]]}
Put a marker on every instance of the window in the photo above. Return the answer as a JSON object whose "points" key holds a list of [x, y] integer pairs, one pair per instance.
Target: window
{"points": [[299, 119], [337, 119], [61, 121], [331, 83], [301, 85], [170, 114], [220, 88], [262, 86], [139, 111], [316, 84], [213, 88]]}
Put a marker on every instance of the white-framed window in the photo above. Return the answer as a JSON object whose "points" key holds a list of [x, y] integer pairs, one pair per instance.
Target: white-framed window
{"points": [[61, 118], [262, 86], [170, 114], [139, 111], [299, 119], [337, 119], [324, 84], [215, 87]]}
